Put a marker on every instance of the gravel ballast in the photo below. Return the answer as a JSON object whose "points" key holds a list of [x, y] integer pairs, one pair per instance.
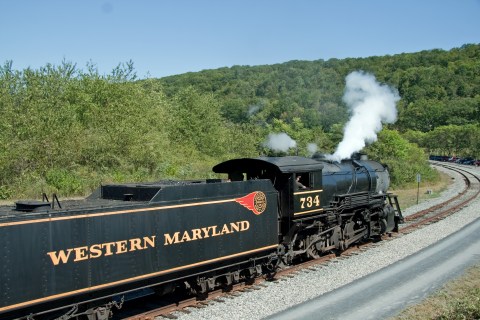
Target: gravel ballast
{"points": [[281, 295]]}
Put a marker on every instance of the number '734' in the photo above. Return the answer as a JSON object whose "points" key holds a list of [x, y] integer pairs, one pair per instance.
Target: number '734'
{"points": [[309, 202]]}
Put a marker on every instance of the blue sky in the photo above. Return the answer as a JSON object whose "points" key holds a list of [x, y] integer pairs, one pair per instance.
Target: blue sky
{"points": [[166, 37]]}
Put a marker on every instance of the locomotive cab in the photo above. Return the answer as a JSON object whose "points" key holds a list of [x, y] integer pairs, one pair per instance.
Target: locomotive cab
{"points": [[307, 193], [298, 181]]}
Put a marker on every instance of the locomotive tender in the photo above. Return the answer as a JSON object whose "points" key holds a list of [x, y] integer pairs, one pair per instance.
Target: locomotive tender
{"points": [[199, 235]]}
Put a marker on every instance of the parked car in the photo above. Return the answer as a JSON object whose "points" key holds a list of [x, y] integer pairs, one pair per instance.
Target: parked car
{"points": [[467, 161]]}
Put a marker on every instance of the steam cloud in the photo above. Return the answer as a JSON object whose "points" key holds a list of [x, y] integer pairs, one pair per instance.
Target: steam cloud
{"points": [[252, 110], [312, 148], [370, 104], [279, 142]]}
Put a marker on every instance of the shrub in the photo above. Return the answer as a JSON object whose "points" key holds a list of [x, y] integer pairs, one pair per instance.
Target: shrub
{"points": [[5, 192], [404, 159], [64, 181]]}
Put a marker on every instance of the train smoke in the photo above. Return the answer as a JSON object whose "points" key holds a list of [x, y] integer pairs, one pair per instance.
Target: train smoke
{"points": [[312, 148], [252, 110], [279, 142], [370, 105]]}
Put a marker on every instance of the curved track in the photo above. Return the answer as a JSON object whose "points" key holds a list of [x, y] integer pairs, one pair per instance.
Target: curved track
{"points": [[450, 206]]}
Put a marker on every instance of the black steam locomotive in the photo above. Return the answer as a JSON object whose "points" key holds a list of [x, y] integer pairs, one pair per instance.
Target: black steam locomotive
{"points": [[198, 235]]}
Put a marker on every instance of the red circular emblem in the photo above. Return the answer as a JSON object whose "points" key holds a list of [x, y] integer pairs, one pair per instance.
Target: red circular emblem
{"points": [[255, 201]]}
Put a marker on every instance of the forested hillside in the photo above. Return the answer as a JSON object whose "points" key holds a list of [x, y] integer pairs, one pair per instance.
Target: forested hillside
{"points": [[64, 129], [440, 93]]}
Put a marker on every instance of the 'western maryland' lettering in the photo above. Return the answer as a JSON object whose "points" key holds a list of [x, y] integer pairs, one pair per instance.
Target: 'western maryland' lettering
{"points": [[206, 232], [98, 250], [101, 249]]}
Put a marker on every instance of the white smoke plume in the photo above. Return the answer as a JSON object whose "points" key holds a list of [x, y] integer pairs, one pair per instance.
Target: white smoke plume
{"points": [[312, 148], [279, 142], [370, 104], [252, 110]]}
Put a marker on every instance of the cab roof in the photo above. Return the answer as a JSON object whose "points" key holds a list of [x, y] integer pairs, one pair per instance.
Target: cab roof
{"points": [[288, 164]]}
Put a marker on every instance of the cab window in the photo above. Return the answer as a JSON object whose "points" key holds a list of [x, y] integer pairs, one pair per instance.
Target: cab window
{"points": [[308, 180], [302, 181]]}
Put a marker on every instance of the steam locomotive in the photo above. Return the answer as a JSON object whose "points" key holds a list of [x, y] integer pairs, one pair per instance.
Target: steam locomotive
{"points": [[82, 256]]}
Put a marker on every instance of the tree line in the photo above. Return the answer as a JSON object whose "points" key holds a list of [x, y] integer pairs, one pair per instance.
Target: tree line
{"points": [[65, 129]]}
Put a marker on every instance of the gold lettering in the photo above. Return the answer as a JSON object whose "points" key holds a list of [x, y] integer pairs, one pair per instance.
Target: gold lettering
{"points": [[244, 225], [62, 256], [81, 253], [95, 251], [171, 240], [150, 241], [225, 230], [235, 226], [108, 247], [205, 232], [214, 232], [121, 246], [186, 237], [136, 244], [196, 234]]}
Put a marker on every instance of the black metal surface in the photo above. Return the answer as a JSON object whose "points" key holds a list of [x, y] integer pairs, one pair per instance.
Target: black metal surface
{"points": [[78, 253], [30, 205], [352, 177], [281, 164], [127, 236]]}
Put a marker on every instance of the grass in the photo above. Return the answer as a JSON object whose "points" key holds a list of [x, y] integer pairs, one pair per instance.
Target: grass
{"points": [[407, 197], [458, 299]]}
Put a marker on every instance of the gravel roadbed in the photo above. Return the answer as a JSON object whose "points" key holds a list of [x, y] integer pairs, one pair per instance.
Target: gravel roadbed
{"points": [[282, 294]]}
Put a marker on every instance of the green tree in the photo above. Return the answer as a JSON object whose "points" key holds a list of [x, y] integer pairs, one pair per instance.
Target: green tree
{"points": [[195, 120], [403, 158]]}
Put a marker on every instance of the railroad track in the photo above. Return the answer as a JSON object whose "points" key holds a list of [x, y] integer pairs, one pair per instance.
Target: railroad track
{"points": [[448, 207], [415, 221]]}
